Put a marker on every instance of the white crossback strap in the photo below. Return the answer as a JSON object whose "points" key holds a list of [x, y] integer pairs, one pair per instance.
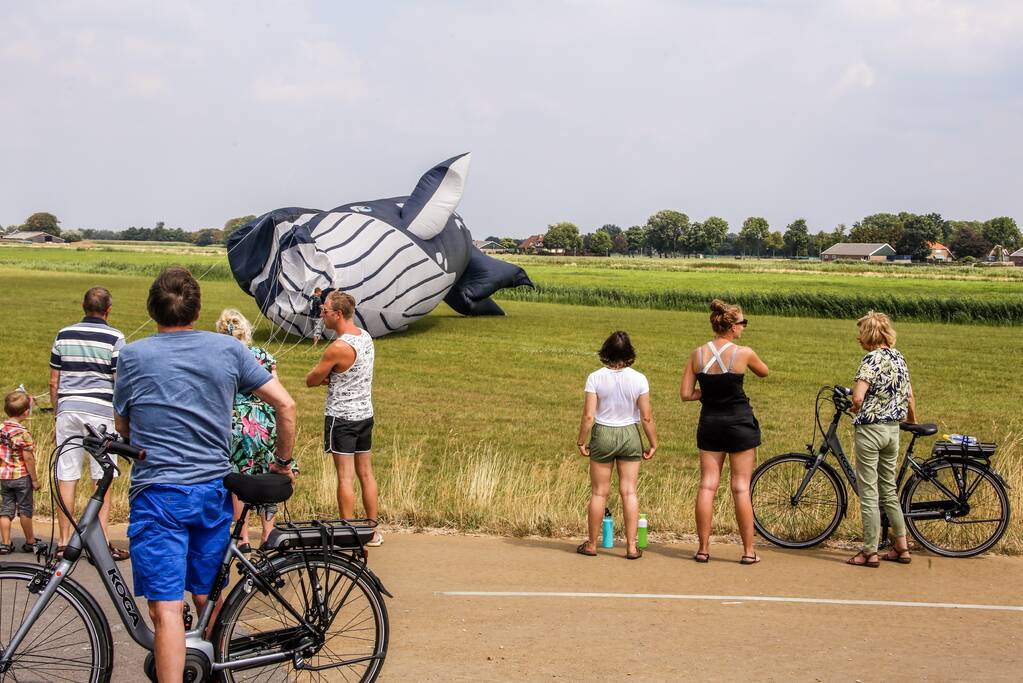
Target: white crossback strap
{"points": [[716, 357]]}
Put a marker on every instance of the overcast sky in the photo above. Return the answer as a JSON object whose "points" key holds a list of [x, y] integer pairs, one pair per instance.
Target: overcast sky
{"points": [[126, 113]]}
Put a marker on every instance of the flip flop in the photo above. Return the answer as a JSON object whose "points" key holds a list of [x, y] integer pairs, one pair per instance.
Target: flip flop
{"points": [[583, 551], [749, 559], [702, 558], [639, 554]]}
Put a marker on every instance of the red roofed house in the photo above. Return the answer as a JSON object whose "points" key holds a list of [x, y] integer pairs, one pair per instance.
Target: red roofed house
{"points": [[940, 253]]}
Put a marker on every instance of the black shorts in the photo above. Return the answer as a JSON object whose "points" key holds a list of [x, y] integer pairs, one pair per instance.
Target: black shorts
{"points": [[728, 432], [347, 437], [16, 495]]}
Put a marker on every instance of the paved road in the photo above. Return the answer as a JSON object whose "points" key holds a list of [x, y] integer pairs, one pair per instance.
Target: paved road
{"points": [[682, 620]]}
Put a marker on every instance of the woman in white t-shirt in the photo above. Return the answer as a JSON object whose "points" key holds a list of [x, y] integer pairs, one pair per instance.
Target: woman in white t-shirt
{"points": [[617, 403]]}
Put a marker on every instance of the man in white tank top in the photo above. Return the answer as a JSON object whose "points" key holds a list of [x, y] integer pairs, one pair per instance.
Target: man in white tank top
{"points": [[347, 369]]}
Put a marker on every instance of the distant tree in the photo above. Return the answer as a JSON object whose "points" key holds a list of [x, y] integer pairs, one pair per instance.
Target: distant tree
{"points": [[620, 244], [71, 236], [730, 245], [715, 230], [600, 243], [754, 233], [825, 240], [208, 236], [918, 232], [42, 222], [797, 238], [611, 229], [1003, 231], [956, 226], [664, 230], [493, 238], [692, 240], [969, 242], [510, 243], [233, 224], [877, 228], [636, 236], [775, 242], [562, 236]]}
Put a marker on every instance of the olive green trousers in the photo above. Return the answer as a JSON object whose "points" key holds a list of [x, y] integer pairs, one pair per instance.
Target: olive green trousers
{"points": [[877, 457]]}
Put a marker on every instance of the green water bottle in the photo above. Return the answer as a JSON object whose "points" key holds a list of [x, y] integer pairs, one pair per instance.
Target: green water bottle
{"points": [[641, 536]]}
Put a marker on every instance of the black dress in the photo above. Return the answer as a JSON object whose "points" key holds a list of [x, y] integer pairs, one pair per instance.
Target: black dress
{"points": [[727, 423]]}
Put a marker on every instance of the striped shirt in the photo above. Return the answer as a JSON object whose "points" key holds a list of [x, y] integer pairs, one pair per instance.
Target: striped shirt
{"points": [[85, 354]]}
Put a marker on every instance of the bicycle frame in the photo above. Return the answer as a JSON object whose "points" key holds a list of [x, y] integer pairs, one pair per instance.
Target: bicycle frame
{"points": [[90, 537]]}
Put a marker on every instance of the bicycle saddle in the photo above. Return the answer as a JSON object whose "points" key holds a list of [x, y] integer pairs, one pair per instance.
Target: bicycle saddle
{"points": [[259, 489], [923, 429]]}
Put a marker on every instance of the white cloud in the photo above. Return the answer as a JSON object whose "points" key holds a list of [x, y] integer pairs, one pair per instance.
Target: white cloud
{"points": [[857, 76]]}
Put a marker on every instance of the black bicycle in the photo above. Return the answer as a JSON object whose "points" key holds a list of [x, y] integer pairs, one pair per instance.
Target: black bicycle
{"points": [[954, 503], [304, 605]]}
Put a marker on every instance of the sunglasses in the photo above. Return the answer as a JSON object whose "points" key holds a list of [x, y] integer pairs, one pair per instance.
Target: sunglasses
{"points": [[742, 322]]}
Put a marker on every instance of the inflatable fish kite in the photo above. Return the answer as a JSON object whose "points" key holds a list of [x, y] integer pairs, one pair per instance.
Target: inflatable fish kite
{"points": [[398, 257]]}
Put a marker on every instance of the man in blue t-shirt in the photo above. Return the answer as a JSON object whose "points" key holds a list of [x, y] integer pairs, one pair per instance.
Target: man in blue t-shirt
{"points": [[173, 395]]}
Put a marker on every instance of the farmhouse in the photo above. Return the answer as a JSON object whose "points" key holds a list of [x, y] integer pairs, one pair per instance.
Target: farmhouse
{"points": [[489, 246], [940, 253], [998, 254], [36, 237], [858, 251], [1016, 257]]}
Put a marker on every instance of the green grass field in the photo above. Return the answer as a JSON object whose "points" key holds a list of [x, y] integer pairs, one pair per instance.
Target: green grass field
{"points": [[476, 418]]}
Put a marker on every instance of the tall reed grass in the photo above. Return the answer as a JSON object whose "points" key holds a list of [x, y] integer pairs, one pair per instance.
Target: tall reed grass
{"points": [[807, 304]]}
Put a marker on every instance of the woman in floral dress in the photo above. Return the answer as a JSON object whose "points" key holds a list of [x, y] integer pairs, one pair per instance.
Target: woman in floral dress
{"points": [[254, 423]]}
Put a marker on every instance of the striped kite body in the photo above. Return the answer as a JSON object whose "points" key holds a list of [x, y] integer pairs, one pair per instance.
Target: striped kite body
{"points": [[399, 257]]}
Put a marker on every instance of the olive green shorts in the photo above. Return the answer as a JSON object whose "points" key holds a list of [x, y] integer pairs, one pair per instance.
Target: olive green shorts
{"points": [[608, 444]]}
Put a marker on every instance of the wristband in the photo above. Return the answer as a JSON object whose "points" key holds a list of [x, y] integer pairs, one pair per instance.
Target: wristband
{"points": [[283, 463]]}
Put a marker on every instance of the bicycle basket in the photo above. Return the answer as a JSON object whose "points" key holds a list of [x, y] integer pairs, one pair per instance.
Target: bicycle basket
{"points": [[975, 451], [341, 534]]}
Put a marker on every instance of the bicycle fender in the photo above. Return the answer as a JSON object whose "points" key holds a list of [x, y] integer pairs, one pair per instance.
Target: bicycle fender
{"points": [[378, 583]]}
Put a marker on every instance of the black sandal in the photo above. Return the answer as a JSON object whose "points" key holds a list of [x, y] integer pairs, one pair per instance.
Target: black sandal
{"points": [[702, 558], [639, 554], [749, 559]]}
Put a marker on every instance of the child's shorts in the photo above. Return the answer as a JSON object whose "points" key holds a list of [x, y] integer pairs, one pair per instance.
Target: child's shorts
{"points": [[16, 497]]}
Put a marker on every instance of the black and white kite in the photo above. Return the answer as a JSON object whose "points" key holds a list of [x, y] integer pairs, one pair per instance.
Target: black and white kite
{"points": [[398, 257]]}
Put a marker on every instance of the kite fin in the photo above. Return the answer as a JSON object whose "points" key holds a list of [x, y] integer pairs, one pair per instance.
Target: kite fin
{"points": [[428, 208], [483, 276]]}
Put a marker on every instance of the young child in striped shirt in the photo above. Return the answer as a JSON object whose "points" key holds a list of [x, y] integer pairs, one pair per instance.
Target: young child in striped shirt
{"points": [[18, 478]]}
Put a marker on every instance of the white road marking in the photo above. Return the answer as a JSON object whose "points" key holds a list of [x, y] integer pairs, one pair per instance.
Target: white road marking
{"points": [[730, 599]]}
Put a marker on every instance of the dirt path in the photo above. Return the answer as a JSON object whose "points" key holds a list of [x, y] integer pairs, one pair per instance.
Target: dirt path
{"points": [[440, 637]]}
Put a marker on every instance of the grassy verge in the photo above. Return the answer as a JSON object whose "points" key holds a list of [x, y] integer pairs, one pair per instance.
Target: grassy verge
{"points": [[476, 417]]}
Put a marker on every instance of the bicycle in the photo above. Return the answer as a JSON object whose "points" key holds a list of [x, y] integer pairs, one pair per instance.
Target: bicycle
{"points": [[954, 503], [305, 603]]}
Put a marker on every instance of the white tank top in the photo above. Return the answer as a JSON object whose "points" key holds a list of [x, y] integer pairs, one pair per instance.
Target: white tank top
{"points": [[350, 393]]}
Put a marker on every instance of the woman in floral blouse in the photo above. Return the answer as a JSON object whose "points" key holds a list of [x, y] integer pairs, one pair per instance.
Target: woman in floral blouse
{"points": [[882, 397], [254, 423]]}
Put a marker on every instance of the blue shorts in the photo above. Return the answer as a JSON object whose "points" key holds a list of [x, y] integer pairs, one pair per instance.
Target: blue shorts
{"points": [[178, 538]]}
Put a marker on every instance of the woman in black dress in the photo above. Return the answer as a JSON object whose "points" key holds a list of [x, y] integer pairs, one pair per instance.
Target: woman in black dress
{"points": [[727, 423]]}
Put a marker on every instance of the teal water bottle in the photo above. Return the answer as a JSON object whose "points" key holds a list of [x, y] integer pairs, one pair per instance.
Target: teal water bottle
{"points": [[641, 535], [607, 538]]}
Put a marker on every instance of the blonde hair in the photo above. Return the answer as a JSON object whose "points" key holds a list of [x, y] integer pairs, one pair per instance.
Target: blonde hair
{"points": [[16, 403], [343, 302], [723, 316], [876, 330], [232, 322]]}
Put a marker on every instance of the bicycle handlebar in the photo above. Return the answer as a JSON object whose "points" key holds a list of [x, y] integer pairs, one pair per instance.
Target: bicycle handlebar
{"points": [[111, 443]]}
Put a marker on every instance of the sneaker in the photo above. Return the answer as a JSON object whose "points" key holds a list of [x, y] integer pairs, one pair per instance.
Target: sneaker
{"points": [[376, 541]]}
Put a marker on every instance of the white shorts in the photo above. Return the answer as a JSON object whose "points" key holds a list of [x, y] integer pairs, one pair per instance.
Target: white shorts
{"points": [[69, 467]]}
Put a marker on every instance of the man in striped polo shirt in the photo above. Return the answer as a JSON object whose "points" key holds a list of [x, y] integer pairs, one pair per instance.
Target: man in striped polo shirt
{"points": [[82, 366]]}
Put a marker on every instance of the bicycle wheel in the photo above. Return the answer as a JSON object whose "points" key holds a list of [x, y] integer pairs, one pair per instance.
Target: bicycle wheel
{"points": [[69, 641], [354, 633], [810, 520], [964, 527]]}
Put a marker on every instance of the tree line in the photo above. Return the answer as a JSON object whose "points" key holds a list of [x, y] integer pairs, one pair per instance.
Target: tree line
{"points": [[673, 233], [50, 224]]}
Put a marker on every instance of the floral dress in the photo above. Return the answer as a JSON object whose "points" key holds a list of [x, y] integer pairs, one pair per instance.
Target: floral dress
{"points": [[254, 426]]}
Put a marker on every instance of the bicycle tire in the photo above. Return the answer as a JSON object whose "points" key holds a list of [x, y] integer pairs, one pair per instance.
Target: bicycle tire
{"points": [[240, 631], [818, 513], [51, 644], [988, 499]]}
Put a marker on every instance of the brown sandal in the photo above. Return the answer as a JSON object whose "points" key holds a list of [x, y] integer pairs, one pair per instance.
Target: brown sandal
{"points": [[749, 559], [119, 554], [866, 560], [583, 551], [900, 556], [702, 558]]}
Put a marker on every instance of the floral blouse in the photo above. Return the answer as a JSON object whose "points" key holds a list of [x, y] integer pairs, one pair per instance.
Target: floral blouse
{"points": [[887, 398], [254, 426]]}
